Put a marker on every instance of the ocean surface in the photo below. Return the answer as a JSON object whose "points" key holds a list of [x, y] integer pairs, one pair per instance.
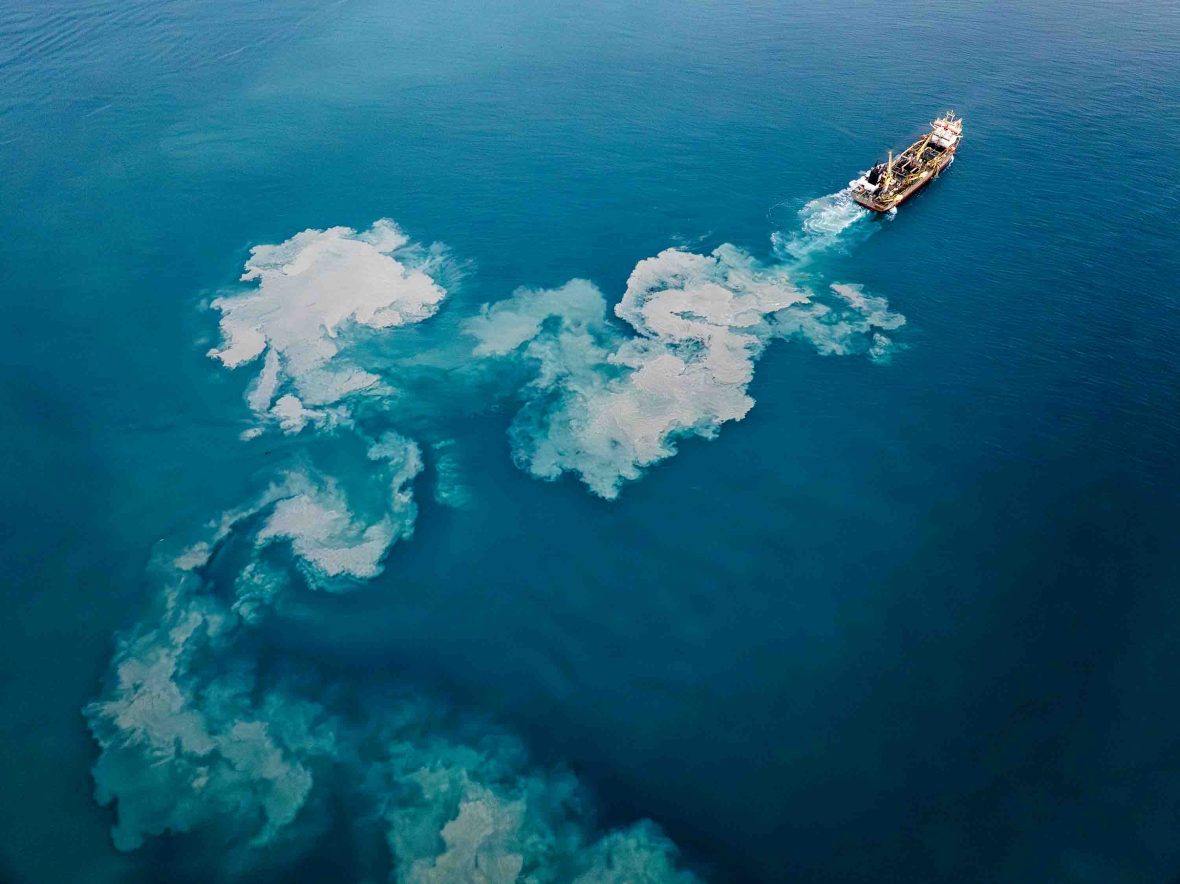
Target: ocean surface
{"points": [[449, 441]]}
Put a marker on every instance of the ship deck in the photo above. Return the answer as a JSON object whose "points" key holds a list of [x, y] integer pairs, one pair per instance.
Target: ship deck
{"points": [[915, 160]]}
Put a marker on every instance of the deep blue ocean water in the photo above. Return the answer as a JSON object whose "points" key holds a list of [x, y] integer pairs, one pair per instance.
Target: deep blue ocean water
{"points": [[913, 618]]}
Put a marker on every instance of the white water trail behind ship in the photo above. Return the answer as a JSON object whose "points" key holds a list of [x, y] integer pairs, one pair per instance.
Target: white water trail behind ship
{"points": [[827, 223]]}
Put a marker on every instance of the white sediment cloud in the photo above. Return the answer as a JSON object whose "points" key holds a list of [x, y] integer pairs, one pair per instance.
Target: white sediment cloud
{"points": [[186, 746], [826, 223], [336, 539], [310, 290], [459, 814], [329, 541], [196, 738], [605, 404]]}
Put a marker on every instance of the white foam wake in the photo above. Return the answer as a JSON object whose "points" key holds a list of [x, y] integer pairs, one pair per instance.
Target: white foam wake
{"points": [[823, 226], [831, 215]]}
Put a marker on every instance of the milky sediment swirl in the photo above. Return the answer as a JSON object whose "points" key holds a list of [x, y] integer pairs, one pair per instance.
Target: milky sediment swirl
{"points": [[605, 402], [310, 290], [198, 736], [204, 728]]}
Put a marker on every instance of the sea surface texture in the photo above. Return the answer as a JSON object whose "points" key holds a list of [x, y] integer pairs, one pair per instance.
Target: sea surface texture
{"points": [[484, 442]]}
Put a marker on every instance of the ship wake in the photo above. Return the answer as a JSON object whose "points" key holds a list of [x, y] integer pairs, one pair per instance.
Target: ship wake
{"points": [[829, 223], [205, 728]]}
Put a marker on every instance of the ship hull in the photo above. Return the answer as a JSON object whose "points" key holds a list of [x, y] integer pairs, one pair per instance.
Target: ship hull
{"points": [[867, 200]]}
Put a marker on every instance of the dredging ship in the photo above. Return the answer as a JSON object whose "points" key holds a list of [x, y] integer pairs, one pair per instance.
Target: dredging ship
{"points": [[887, 185]]}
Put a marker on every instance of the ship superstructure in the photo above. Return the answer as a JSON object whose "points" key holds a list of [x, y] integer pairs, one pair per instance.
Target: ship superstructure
{"points": [[887, 185]]}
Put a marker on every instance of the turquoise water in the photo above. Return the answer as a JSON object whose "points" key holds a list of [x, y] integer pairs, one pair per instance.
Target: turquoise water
{"points": [[875, 583]]}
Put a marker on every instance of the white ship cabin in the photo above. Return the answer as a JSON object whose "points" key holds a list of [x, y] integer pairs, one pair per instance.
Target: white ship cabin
{"points": [[946, 131]]}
